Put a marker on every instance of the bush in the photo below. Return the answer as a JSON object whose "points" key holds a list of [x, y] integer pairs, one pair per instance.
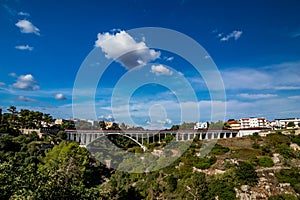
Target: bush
{"points": [[246, 174], [219, 150], [291, 176], [283, 197], [285, 151], [265, 161], [205, 163], [222, 189], [255, 146]]}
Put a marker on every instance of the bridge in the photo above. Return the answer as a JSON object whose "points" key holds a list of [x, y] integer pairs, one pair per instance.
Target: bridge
{"points": [[84, 137]]}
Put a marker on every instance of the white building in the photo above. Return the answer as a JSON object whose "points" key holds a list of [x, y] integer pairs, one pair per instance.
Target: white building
{"points": [[58, 121], [201, 125], [253, 122], [283, 123]]}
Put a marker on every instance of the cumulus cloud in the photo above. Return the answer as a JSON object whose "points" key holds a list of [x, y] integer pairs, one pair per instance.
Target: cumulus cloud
{"points": [[60, 96], [160, 70], [124, 49], [26, 82], [25, 14], [24, 47], [257, 96], [25, 99], [234, 35], [108, 118], [27, 27]]}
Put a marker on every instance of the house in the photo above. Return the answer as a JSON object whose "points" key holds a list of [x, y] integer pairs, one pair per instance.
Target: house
{"points": [[201, 125], [286, 123], [234, 124]]}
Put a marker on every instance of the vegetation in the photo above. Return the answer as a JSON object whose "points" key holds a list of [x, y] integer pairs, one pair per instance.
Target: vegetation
{"points": [[291, 176], [283, 197], [49, 167], [265, 161]]}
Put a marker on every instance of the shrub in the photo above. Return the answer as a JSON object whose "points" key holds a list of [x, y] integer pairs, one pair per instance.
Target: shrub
{"points": [[246, 174], [285, 151], [255, 146], [291, 176], [265, 161], [219, 150], [205, 163], [283, 197]]}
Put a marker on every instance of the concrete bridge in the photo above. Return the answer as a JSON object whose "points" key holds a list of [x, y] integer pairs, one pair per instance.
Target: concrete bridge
{"points": [[84, 137]]}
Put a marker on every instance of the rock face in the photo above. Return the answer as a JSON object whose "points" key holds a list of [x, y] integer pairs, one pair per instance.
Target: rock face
{"points": [[267, 186], [295, 147], [275, 158]]}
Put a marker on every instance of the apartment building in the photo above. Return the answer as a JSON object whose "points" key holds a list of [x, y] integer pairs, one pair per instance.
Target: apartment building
{"points": [[253, 122]]}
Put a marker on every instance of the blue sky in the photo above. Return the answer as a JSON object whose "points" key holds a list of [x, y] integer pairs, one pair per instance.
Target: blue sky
{"points": [[254, 44]]}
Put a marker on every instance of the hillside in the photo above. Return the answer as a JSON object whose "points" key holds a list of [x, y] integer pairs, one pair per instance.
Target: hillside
{"points": [[252, 167]]}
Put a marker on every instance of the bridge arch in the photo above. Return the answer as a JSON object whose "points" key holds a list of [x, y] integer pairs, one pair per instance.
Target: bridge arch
{"points": [[125, 135]]}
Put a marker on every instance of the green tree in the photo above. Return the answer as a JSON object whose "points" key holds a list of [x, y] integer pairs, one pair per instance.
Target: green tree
{"points": [[102, 125], [195, 187], [13, 115], [246, 174], [216, 125], [291, 124]]}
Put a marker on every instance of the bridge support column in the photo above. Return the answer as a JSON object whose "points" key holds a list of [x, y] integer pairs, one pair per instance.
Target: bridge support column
{"points": [[81, 138], [189, 136], [148, 138], [230, 135], [77, 137], [88, 138]]}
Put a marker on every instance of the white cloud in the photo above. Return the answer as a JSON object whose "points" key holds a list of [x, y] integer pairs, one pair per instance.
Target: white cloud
{"points": [[257, 96], [12, 74], [294, 97], [124, 49], [180, 74], [60, 96], [234, 34], [206, 57], [108, 118], [2, 84], [24, 47], [27, 27], [25, 14], [169, 58], [159, 70], [284, 76], [26, 82], [26, 99]]}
